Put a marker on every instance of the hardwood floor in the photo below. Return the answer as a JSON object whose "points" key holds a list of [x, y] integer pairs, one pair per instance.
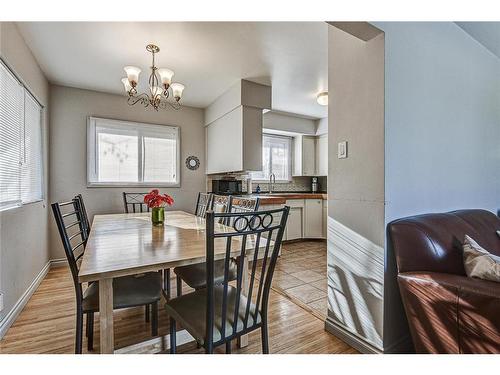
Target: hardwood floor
{"points": [[47, 323]]}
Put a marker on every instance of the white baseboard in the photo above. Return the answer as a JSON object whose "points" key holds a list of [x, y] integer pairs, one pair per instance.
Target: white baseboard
{"points": [[348, 337], [12, 315]]}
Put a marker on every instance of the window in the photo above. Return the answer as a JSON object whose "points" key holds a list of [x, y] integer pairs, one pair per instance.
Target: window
{"points": [[21, 158], [122, 153], [276, 158]]}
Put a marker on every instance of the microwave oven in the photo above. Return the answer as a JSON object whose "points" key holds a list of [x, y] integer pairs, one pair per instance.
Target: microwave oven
{"points": [[226, 187]]}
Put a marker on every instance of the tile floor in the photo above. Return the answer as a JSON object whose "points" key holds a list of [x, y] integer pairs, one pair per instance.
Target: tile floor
{"points": [[301, 274]]}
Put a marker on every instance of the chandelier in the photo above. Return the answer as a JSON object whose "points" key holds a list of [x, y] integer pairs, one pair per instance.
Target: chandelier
{"points": [[160, 81]]}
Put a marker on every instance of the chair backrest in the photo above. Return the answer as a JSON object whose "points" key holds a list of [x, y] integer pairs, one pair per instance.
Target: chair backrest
{"points": [[134, 202], [239, 242], [202, 204], [85, 217], [239, 204], [70, 223], [220, 204]]}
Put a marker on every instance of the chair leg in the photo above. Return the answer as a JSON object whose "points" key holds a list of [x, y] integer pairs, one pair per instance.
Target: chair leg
{"points": [[209, 348], [79, 331], [179, 286], [173, 331], [228, 347], [90, 330], [264, 337], [147, 313], [166, 282], [154, 319]]}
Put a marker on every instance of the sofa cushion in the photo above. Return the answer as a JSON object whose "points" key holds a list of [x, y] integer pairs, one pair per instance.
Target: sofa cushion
{"points": [[479, 262]]}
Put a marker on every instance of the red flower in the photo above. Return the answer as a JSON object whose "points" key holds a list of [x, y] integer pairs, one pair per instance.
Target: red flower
{"points": [[155, 199]]}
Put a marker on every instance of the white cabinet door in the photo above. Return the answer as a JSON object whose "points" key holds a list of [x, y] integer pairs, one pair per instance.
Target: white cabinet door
{"points": [[308, 156], [322, 155], [325, 218], [294, 224], [313, 218]]}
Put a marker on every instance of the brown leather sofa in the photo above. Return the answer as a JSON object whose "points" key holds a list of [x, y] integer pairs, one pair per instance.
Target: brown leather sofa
{"points": [[447, 311]]}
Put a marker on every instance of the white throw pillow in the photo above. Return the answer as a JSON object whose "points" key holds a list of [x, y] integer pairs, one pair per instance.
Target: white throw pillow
{"points": [[480, 263]]}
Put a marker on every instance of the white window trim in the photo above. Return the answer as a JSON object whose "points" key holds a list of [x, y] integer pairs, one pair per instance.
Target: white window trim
{"points": [[290, 160], [91, 153]]}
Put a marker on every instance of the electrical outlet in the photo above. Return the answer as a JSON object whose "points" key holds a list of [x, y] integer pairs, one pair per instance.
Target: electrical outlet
{"points": [[1, 301]]}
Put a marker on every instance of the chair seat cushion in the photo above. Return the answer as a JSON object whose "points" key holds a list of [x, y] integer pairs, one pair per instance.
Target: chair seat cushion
{"points": [[195, 275], [190, 311], [128, 291]]}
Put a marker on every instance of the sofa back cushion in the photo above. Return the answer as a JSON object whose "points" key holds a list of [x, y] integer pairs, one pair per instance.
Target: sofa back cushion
{"points": [[433, 242]]}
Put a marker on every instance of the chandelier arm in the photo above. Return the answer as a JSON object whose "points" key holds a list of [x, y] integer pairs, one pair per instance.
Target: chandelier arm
{"points": [[141, 98]]}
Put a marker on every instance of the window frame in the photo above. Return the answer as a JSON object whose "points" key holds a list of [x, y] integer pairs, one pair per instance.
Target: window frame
{"points": [[290, 158], [22, 144], [134, 126]]}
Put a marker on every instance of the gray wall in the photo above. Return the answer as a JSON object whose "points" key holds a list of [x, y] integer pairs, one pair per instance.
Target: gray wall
{"points": [[356, 187], [23, 231], [70, 108], [442, 124]]}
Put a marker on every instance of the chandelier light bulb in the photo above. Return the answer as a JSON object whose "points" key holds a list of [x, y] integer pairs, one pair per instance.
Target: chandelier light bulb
{"points": [[126, 84], [132, 74], [177, 89], [165, 77]]}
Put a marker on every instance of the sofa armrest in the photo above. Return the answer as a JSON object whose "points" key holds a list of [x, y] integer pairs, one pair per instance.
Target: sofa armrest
{"points": [[450, 313]]}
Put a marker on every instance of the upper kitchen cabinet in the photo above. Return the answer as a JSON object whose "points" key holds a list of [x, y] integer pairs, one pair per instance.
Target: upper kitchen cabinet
{"points": [[233, 125], [304, 150], [322, 155]]}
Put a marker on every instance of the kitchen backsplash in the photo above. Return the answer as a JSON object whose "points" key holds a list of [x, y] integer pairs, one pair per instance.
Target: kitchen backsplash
{"points": [[302, 184]]}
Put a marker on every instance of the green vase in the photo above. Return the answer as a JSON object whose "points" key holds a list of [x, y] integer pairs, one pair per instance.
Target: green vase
{"points": [[158, 216]]}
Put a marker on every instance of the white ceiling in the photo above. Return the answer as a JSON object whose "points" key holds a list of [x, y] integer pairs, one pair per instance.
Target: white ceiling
{"points": [[208, 57], [486, 33]]}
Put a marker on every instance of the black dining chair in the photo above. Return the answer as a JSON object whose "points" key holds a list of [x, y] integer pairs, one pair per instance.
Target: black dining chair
{"points": [[85, 217], [134, 203], [203, 204], [128, 291], [222, 312], [194, 275]]}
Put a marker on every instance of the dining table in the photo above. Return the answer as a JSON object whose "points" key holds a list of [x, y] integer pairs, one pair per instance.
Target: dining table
{"points": [[128, 244]]}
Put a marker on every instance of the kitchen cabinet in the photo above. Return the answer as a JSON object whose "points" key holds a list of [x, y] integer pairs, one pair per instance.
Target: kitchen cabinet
{"points": [[325, 218], [322, 155], [232, 141], [313, 218], [294, 224], [304, 155]]}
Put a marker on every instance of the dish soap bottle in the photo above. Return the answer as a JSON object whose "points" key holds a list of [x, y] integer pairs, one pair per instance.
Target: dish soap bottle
{"points": [[258, 189]]}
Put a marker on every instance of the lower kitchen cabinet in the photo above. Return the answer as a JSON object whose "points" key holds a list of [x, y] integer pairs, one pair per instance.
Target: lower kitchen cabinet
{"points": [[313, 218], [294, 224]]}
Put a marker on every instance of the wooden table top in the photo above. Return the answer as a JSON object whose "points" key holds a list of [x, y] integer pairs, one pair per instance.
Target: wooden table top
{"points": [[127, 244]]}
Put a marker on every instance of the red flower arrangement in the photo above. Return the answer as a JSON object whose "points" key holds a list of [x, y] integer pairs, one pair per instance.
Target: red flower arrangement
{"points": [[155, 199]]}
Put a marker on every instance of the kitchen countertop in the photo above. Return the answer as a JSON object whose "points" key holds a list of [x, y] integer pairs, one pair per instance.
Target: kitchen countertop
{"points": [[281, 198]]}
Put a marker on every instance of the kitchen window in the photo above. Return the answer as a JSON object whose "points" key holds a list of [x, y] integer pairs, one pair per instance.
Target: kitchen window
{"points": [[276, 158], [21, 156], [122, 153]]}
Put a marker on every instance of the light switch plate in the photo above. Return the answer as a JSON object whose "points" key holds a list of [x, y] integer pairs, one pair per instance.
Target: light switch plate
{"points": [[1, 301], [342, 150]]}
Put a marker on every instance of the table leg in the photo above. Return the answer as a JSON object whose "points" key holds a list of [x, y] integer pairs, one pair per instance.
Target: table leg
{"points": [[106, 316], [243, 340]]}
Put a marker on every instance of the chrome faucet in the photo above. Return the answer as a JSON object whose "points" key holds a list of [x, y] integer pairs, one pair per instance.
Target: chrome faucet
{"points": [[272, 181]]}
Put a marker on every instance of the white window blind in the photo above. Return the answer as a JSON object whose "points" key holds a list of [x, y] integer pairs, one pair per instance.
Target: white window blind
{"points": [[11, 120], [122, 153], [31, 152], [21, 160], [276, 158]]}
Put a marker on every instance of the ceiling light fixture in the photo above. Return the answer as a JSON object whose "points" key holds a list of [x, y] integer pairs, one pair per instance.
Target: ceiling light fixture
{"points": [[160, 80], [322, 98]]}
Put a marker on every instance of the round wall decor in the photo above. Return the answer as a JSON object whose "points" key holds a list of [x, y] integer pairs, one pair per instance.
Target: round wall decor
{"points": [[192, 163]]}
